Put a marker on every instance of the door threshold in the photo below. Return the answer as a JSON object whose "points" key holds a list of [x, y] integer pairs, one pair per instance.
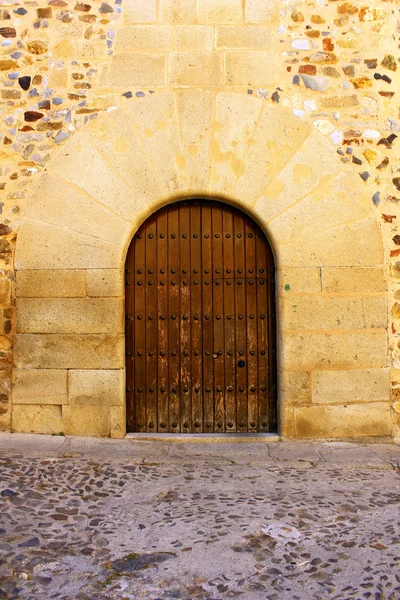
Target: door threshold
{"points": [[199, 438]]}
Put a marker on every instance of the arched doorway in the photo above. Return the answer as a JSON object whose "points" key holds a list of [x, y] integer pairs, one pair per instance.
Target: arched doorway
{"points": [[200, 322]]}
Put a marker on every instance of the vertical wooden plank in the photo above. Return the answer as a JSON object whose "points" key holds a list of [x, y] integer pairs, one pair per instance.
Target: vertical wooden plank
{"points": [[251, 305], [263, 317], [130, 336], [140, 329], [218, 310], [185, 310], [208, 342], [229, 320], [173, 319], [163, 322], [272, 364], [240, 322], [151, 324], [197, 317]]}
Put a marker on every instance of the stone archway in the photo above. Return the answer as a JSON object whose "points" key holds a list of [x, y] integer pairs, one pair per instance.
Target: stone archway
{"points": [[104, 182]]}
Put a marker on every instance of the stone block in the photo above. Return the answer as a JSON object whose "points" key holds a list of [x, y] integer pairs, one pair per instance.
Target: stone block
{"points": [[58, 202], [250, 37], [295, 388], [5, 291], [80, 49], [39, 386], [61, 248], [261, 12], [334, 387], [336, 201], [140, 11], [139, 69], [344, 350], [118, 142], [105, 282], [236, 116], [50, 284], [79, 163], [350, 244], [309, 166], [144, 37], [156, 120], [353, 280], [252, 68], [117, 421], [70, 315], [194, 37], [220, 11], [97, 387], [279, 134], [286, 422], [298, 280], [196, 117], [178, 11], [353, 420], [86, 420], [308, 312], [195, 69], [37, 419], [69, 351]]}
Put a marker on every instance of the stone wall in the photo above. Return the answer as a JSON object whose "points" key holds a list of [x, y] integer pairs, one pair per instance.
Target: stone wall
{"points": [[110, 110]]}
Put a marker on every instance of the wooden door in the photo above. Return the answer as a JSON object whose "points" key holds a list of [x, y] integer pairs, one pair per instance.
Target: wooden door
{"points": [[200, 323]]}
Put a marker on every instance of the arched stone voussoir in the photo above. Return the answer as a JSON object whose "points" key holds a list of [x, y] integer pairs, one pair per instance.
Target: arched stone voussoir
{"points": [[314, 164], [236, 118], [61, 203], [155, 119], [81, 164], [43, 245], [277, 137], [335, 202]]}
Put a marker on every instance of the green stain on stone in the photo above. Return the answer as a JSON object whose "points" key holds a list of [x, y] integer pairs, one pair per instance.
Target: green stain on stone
{"points": [[287, 287]]}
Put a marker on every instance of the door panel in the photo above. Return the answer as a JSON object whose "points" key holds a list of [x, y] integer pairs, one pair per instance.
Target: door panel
{"points": [[200, 322]]}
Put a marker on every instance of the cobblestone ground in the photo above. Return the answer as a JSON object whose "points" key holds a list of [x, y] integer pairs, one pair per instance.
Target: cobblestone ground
{"points": [[279, 522]]}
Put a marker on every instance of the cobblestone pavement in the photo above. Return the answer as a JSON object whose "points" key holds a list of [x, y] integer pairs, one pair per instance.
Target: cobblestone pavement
{"points": [[105, 519]]}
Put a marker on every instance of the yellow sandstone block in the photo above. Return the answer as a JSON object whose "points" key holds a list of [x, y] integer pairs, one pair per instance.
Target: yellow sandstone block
{"points": [[69, 351], [220, 11], [261, 12], [144, 37], [178, 11], [37, 419], [117, 421], [196, 112], [308, 312], [347, 350], [96, 387], [70, 315], [86, 420], [354, 420], [139, 69], [333, 387], [105, 282], [295, 388], [253, 68], [195, 68], [140, 11], [353, 280], [194, 37], [244, 36], [50, 284], [60, 248], [298, 280], [39, 386]]}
